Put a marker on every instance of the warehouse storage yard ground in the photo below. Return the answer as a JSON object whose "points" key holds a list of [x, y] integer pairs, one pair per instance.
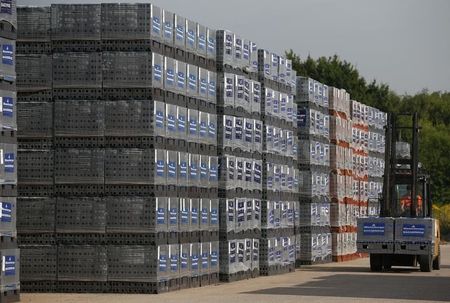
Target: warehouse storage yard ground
{"points": [[320, 283]]}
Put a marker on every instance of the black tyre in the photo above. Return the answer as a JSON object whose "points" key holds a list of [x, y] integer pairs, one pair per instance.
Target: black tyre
{"points": [[387, 262], [437, 261], [426, 263], [376, 262]]}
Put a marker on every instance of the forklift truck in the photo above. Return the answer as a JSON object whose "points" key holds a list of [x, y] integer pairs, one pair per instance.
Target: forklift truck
{"points": [[404, 234]]}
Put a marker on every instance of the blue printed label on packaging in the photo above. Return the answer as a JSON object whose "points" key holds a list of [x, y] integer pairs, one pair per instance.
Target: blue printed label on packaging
{"points": [[156, 25], [184, 261], [413, 230], [8, 106], [203, 171], [239, 170], [290, 182], [194, 215], [181, 80], [173, 216], [233, 253], [202, 42], [9, 265], [257, 174], [212, 88], [170, 77], [213, 173], [6, 7], [168, 30], [193, 171], [203, 87], [184, 216], [194, 261], [230, 211], [183, 169], [191, 38], [157, 72], [301, 119], [6, 212], [162, 263], [248, 171], [214, 258], [271, 254], [9, 160], [373, 229], [229, 129], [204, 260], [229, 88], [172, 169], [7, 54], [212, 130], [192, 82], [238, 129], [181, 124], [160, 216], [203, 129], [241, 212], [160, 168], [204, 216], [174, 262], [171, 125], [249, 210], [211, 45], [193, 126], [269, 181], [214, 216], [180, 33]]}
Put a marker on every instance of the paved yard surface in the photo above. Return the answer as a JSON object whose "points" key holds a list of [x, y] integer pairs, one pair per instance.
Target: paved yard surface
{"points": [[342, 282]]}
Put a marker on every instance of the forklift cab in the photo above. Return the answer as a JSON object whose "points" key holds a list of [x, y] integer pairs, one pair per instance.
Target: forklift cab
{"points": [[404, 202]]}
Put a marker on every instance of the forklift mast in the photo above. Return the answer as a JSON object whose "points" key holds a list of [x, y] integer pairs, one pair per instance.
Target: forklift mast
{"points": [[403, 170]]}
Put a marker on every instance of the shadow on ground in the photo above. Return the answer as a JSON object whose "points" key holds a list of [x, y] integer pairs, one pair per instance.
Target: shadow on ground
{"points": [[376, 286], [334, 269], [346, 269]]}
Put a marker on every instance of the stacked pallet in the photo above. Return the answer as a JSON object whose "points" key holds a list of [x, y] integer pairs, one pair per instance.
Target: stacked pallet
{"points": [[343, 207], [377, 123], [118, 160], [240, 157], [360, 174], [314, 164], [280, 175], [9, 253]]}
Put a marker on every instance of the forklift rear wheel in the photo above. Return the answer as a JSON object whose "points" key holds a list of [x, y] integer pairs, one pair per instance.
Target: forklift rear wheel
{"points": [[426, 263], [437, 261], [376, 262]]}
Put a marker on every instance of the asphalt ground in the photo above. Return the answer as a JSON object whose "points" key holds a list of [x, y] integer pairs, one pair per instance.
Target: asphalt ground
{"points": [[336, 282]]}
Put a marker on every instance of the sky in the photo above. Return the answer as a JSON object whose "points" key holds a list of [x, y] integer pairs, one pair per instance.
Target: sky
{"points": [[404, 43]]}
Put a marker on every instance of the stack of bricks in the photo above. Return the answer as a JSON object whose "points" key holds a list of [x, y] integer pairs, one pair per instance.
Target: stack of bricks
{"points": [[343, 206], [240, 157], [280, 204], [314, 164], [377, 123], [118, 157], [9, 253]]}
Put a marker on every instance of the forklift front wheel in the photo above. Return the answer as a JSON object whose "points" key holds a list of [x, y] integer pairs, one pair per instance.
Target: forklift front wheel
{"points": [[376, 262]]}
